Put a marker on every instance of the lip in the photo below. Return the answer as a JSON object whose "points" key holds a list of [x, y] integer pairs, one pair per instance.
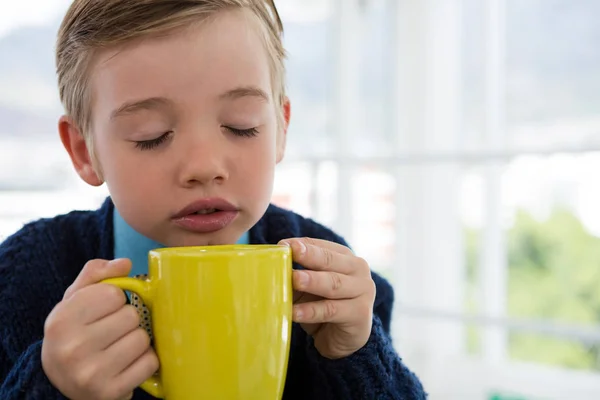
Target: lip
{"points": [[188, 220], [205, 204]]}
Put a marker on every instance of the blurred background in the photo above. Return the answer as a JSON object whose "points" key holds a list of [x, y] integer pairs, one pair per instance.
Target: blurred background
{"points": [[454, 143]]}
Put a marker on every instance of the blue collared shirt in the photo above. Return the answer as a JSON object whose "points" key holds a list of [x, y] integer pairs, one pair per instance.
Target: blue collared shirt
{"points": [[133, 245]]}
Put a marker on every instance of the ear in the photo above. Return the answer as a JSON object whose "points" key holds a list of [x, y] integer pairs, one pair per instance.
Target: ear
{"points": [[76, 146], [282, 134]]}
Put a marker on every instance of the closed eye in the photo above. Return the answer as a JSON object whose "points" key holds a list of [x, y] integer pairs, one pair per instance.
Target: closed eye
{"points": [[252, 132], [153, 143]]}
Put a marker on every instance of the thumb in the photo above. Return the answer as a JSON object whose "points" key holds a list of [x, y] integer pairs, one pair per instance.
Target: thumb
{"points": [[96, 271]]}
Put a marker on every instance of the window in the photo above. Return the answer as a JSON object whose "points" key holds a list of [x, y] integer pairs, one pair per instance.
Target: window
{"points": [[454, 144], [467, 140]]}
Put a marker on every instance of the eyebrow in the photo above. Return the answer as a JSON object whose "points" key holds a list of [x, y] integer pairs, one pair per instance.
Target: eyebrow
{"points": [[132, 107], [245, 91], [161, 102]]}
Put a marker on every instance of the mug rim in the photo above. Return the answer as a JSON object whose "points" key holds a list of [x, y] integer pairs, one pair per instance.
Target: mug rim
{"points": [[223, 249]]}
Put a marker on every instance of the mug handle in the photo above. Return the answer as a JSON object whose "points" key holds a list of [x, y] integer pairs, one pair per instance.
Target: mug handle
{"points": [[152, 385]]}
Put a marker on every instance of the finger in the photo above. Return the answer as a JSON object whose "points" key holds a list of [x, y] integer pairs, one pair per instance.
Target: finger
{"points": [[333, 246], [98, 270], [92, 303], [327, 284], [115, 326], [322, 258], [140, 370], [126, 350], [326, 311]]}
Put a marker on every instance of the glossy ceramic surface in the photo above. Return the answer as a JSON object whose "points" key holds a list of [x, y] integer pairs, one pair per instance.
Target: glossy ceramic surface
{"points": [[221, 319]]}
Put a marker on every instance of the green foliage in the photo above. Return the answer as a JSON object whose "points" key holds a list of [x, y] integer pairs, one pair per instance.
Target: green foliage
{"points": [[554, 274]]}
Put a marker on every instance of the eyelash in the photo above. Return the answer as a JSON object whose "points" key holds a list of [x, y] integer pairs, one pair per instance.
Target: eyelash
{"points": [[252, 132], [154, 143]]}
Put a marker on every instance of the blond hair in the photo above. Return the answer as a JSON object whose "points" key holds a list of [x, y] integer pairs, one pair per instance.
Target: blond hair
{"points": [[91, 25]]}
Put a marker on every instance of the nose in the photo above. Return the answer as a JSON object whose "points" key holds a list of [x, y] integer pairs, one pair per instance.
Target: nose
{"points": [[203, 162]]}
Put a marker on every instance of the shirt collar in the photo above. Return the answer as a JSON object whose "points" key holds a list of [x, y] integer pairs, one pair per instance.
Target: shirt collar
{"points": [[133, 245]]}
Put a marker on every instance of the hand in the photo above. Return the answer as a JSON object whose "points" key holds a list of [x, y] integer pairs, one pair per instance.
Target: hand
{"points": [[333, 297], [93, 346]]}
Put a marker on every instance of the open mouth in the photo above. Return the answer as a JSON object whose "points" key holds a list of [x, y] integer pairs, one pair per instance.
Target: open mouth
{"points": [[206, 211], [206, 214]]}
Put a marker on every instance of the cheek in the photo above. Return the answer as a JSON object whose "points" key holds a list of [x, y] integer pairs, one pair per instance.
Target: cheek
{"points": [[117, 165], [259, 166], [121, 169]]}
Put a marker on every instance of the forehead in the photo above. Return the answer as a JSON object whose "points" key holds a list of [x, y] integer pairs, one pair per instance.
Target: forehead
{"points": [[194, 64]]}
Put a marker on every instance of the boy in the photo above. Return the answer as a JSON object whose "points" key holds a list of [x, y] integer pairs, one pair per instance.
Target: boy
{"points": [[179, 107]]}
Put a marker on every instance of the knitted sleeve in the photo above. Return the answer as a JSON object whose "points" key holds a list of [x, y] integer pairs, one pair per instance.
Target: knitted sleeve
{"points": [[25, 378], [28, 291], [374, 372]]}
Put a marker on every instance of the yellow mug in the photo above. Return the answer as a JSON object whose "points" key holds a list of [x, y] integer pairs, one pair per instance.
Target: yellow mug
{"points": [[221, 320]]}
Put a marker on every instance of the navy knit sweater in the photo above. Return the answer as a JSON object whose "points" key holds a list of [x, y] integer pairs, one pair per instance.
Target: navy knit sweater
{"points": [[39, 262]]}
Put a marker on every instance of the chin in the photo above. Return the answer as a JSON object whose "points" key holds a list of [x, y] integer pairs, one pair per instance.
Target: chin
{"points": [[205, 240]]}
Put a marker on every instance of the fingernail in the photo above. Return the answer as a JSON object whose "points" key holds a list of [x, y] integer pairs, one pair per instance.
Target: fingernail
{"points": [[285, 243], [302, 278], [298, 314]]}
